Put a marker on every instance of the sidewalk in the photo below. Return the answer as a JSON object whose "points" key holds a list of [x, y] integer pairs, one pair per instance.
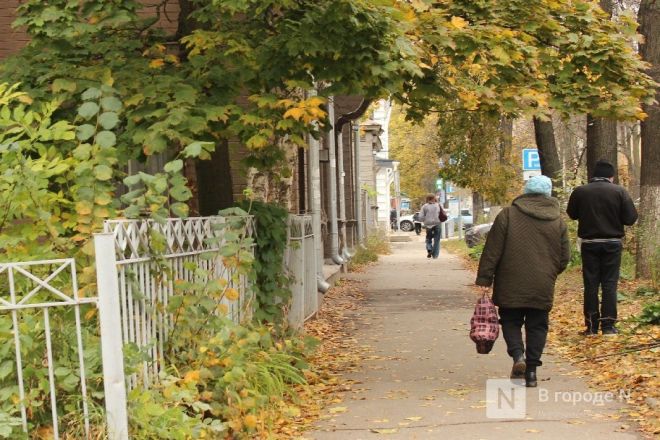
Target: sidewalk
{"points": [[424, 379]]}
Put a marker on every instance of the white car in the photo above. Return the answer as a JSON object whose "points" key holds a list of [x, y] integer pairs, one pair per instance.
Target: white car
{"points": [[407, 222]]}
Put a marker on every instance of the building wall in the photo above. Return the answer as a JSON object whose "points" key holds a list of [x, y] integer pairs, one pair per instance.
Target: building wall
{"points": [[383, 178], [12, 40]]}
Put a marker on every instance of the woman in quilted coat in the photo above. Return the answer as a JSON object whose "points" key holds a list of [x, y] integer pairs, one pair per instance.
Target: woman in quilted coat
{"points": [[526, 249]]}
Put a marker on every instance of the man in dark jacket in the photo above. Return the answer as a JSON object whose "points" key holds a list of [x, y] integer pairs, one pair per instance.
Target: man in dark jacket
{"points": [[602, 209], [527, 247]]}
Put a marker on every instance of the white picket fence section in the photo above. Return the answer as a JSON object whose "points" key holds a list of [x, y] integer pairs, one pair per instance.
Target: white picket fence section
{"points": [[133, 293], [144, 288], [43, 285], [300, 263]]}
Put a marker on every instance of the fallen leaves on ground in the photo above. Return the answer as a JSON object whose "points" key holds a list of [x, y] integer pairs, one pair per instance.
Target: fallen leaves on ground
{"points": [[617, 364], [337, 354]]}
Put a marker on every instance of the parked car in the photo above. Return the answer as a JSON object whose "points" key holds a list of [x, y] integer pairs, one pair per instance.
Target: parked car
{"points": [[477, 234], [410, 222], [466, 218]]}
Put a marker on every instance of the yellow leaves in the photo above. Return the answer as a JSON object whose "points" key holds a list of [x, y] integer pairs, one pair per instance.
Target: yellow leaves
{"points": [[90, 314], [157, 63], [501, 54], [458, 22], [191, 376], [250, 421], [222, 309], [307, 111], [469, 99], [257, 141], [338, 410], [84, 208], [232, 294]]}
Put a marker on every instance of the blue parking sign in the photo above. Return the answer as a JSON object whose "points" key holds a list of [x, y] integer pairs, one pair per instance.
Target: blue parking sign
{"points": [[531, 159]]}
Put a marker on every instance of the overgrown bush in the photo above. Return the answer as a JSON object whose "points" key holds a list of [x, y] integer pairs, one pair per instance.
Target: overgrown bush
{"points": [[650, 314], [375, 244], [233, 386], [476, 251], [272, 283]]}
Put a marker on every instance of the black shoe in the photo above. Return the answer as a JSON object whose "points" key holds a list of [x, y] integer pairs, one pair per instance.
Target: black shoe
{"points": [[610, 331], [519, 367], [429, 254], [530, 379]]}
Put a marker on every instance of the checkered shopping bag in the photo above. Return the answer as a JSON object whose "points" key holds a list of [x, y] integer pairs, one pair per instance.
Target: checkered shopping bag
{"points": [[484, 325]]}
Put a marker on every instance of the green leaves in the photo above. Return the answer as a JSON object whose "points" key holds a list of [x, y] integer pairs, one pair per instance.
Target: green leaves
{"points": [[109, 120], [198, 149], [85, 131], [64, 85], [106, 139], [88, 110], [91, 94], [103, 172], [111, 104]]}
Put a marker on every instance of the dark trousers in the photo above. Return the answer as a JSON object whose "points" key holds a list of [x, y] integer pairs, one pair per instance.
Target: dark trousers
{"points": [[600, 268], [536, 332], [433, 240]]}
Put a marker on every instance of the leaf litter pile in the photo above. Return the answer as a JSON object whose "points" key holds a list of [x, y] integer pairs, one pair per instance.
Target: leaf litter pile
{"points": [[337, 354], [629, 362]]}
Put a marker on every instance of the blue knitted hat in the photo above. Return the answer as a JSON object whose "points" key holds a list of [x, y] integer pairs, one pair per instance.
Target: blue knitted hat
{"points": [[539, 185]]}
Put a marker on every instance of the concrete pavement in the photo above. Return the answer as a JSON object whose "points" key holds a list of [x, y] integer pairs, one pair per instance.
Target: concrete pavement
{"points": [[423, 378]]}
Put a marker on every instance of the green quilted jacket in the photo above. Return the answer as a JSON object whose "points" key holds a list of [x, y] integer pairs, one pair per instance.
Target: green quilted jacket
{"points": [[526, 249]]}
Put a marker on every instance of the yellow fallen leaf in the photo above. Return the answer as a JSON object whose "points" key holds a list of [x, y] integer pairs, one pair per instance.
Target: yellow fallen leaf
{"points": [[338, 409], [414, 418], [458, 22], [385, 431]]}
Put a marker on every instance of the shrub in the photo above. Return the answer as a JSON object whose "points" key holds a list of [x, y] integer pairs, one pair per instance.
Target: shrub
{"points": [[650, 314], [476, 251]]}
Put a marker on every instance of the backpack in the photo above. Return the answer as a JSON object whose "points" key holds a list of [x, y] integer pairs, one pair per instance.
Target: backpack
{"points": [[484, 325]]}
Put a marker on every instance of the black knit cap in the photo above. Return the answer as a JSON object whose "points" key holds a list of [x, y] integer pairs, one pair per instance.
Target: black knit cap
{"points": [[603, 169]]}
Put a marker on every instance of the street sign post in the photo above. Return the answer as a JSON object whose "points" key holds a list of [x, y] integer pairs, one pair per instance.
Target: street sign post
{"points": [[531, 159]]}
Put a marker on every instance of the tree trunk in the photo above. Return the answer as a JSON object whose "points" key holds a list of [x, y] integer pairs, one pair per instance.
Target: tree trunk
{"points": [[506, 146], [186, 24], [602, 133], [544, 133], [648, 243], [636, 157], [601, 143], [477, 208]]}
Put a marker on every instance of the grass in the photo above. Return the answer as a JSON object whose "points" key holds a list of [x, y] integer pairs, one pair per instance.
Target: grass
{"points": [[375, 245]]}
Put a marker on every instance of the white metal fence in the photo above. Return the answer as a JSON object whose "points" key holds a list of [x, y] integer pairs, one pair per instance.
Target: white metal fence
{"points": [[144, 288], [44, 286], [133, 293], [300, 262]]}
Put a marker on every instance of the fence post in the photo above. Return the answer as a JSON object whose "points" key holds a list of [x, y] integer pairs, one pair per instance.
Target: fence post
{"points": [[114, 383]]}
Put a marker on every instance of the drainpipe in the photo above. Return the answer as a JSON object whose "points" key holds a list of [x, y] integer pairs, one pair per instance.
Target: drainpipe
{"points": [[315, 205], [339, 126], [358, 187], [334, 227], [346, 255]]}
